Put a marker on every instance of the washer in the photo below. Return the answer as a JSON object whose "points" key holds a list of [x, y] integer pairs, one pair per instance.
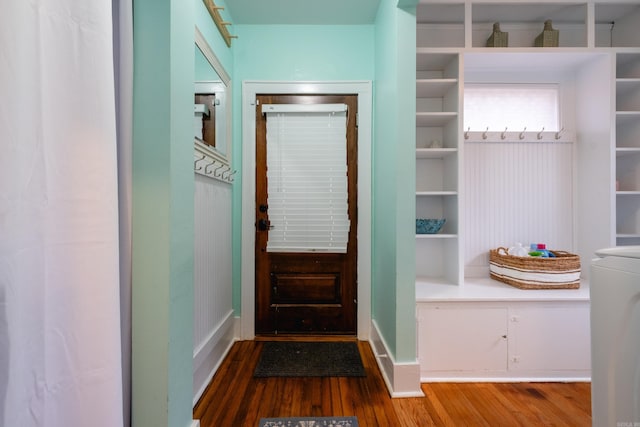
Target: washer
{"points": [[615, 337]]}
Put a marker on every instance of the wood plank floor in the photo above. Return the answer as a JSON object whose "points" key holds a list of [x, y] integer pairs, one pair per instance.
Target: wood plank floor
{"points": [[235, 398]]}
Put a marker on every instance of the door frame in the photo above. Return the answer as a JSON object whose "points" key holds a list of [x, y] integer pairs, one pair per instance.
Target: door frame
{"points": [[365, 109]]}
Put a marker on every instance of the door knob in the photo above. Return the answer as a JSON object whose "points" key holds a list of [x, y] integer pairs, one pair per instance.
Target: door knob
{"points": [[263, 225]]}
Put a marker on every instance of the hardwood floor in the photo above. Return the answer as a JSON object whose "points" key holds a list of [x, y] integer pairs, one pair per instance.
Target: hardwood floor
{"points": [[235, 398]]}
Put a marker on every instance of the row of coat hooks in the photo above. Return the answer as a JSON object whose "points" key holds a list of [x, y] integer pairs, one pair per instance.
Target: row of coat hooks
{"points": [[213, 168], [503, 135]]}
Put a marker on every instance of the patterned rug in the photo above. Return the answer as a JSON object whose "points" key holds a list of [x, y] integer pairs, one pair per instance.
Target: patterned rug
{"points": [[309, 422], [310, 359]]}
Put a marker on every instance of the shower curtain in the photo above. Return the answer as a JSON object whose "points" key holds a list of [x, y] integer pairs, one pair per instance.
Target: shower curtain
{"points": [[60, 339]]}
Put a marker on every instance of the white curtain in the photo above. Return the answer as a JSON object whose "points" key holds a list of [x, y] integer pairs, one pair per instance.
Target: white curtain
{"points": [[60, 340]]}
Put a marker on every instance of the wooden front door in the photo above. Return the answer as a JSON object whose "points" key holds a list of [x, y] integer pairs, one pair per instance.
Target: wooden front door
{"points": [[305, 292]]}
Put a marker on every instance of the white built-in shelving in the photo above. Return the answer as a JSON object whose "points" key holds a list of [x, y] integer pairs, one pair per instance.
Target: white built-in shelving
{"points": [[627, 148], [437, 121], [597, 63], [451, 37], [582, 24]]}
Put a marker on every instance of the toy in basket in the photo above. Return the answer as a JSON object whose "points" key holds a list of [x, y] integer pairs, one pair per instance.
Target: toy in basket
{"points": [[559, 272]]}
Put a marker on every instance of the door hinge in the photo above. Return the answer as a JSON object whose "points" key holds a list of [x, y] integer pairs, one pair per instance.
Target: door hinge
{"points": [[357, 119]]}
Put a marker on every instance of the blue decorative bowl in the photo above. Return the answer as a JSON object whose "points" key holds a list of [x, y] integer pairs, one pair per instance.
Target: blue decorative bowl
{"points": [[429, 225]]}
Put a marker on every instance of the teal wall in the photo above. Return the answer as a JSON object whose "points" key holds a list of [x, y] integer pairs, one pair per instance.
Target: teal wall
{"points": [[203, 70], [163, 175], [292, 53], [225, 55], [385, 54], [304, 52], [406, 346], [393, 287], [162, 276], [210, 32]]}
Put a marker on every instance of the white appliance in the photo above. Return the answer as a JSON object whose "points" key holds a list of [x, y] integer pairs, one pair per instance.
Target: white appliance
{"points": [[615, 337]]}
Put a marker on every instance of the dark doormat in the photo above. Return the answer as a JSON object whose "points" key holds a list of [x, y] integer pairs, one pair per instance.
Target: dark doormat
{"points": [[309, 422], [309, 359]]}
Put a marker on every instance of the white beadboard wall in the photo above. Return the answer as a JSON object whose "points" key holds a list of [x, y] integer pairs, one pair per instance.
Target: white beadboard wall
{"points": [[213, 331], [516, 192]]}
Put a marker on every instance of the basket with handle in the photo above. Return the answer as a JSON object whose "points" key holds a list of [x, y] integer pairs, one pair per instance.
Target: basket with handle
{"points": [[559, 272]]}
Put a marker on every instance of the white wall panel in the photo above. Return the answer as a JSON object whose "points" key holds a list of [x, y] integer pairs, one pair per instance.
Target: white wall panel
{"points": [[212, 274], [516, 192]]}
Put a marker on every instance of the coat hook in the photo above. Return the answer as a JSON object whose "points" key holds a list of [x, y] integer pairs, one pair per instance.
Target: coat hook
{"points": [[466, 134], [522, 133], [199, 160], [484, 134], [215, 172], [225, 172], [230, 177], [206, 168], [559, 133], [504, 134], [540, 133]]}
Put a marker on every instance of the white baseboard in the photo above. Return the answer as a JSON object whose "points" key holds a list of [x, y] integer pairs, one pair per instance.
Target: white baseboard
{"points": [[195, 423], [440, 377], [210, 354], [402, 379]]}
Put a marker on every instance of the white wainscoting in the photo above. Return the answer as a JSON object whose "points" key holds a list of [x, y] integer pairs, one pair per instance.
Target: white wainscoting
{"points": [[213, 321], [517, 192]]}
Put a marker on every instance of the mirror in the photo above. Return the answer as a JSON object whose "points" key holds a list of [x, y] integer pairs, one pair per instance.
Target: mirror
{"points": [[212, 102]]}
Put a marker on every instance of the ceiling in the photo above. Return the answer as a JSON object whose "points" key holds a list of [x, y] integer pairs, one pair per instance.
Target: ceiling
{"points": [[302, 12]]}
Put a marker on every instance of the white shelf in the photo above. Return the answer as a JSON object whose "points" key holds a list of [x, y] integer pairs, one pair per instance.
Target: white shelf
{"points": [[628, 147], [533, 12], [434, 58], [433, 88], [627, 236], [435, 153], [628, 115], [435, 236], [487, 289], [436, 193], [435, 118], [626, 151], [443, 24]]}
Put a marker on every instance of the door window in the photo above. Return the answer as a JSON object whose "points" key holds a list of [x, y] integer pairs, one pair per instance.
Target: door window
{"points": [[307, 178]]}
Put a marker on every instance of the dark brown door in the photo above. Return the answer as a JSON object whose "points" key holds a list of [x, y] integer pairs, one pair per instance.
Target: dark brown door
{"points": [[305, 293]]}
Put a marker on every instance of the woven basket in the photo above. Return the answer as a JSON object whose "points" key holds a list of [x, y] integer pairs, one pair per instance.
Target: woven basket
{"points": [[561, 272]]}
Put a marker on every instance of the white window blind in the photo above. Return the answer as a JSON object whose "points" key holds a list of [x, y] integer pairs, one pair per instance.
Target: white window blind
{"points": [[512, 106], [307, 178]]}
